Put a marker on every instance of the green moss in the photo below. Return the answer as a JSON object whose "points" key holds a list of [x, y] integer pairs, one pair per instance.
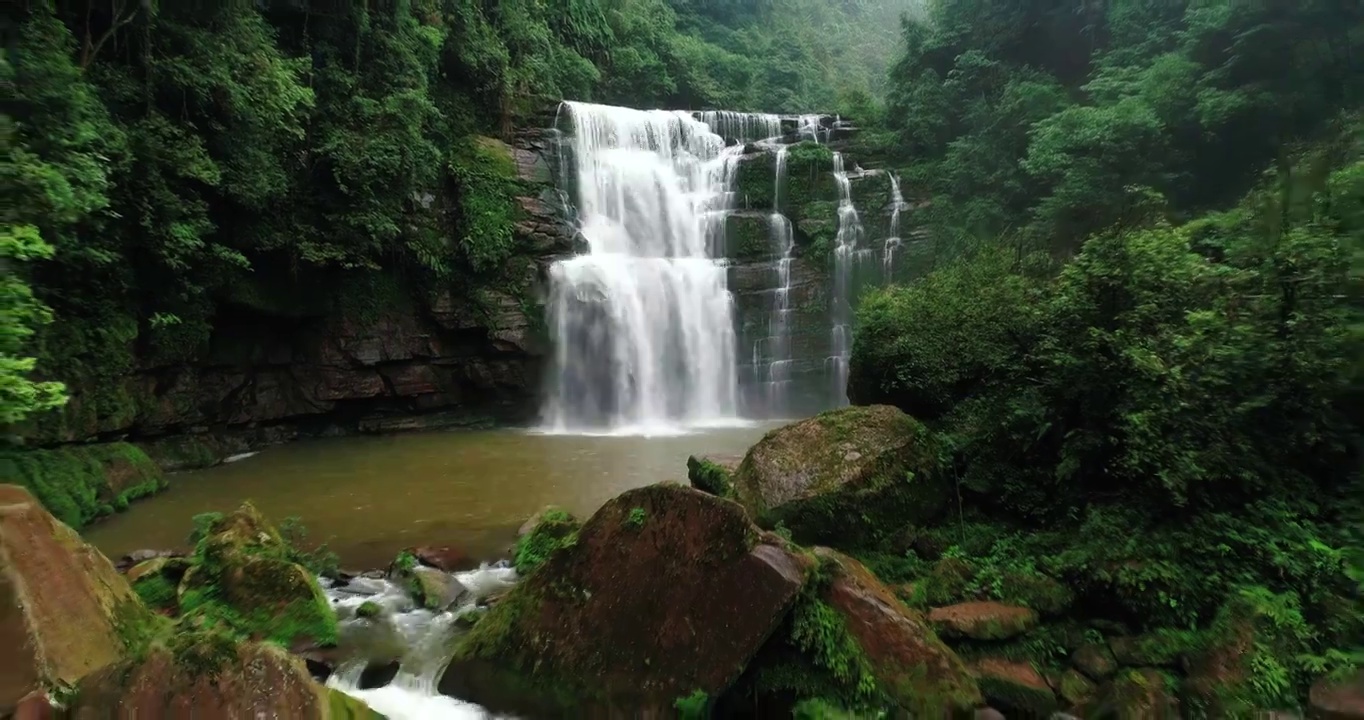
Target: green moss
{"points": [[80, 483], [636, 517], [204, 652], [341, 706], [709, 477], [748, 238], [818, 630], [138, 629], [369, 609], [755, 181], [555, 531], [157, 592], [1024, 699], [822, 709], [695, 706]]}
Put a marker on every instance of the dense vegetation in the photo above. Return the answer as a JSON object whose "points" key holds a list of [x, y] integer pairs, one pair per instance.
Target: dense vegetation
{"points": [[167, 158], [1145, 353]]}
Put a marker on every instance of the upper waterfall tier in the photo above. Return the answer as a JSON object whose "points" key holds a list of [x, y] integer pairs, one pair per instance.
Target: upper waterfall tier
{"points": [[643, 322]]}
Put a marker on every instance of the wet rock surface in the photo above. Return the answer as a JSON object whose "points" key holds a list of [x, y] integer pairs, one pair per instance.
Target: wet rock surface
{"points": [[64, 610], [843, 474], [666, 591], [983, 620]]}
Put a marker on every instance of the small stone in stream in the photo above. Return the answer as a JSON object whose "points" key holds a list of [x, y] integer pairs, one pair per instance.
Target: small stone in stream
{"points": [[368, 609], [377, 675], [449, 559], [982, 620], [534, 520]]}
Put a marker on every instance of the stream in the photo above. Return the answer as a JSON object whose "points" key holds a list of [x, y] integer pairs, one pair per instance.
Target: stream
{"points": [[369, 497]]}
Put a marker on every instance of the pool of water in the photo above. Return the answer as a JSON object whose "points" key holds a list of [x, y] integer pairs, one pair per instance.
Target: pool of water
{"points": [[368, 497]]}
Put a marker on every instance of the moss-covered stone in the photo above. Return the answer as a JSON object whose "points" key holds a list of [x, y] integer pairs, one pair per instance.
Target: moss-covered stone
{"points": [[211, 677], [550, 530], [64, 610], [1015, 687], [82, 482], [910, 665], [157, 582], [983, 620], [849, 476], [1075, 688], [1245, 641], [712, 475], [243, 579], [639, 614], [755, 180], [1141, 694]]}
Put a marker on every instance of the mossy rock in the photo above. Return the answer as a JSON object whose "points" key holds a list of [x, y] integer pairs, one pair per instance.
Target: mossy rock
{"points": [[983, 620], [157, 582], [548, 531], [1095, 660], [712, 475], [80, 483], [243, 579], [755, 180], [915, 670], [847, 477], [260, 597], [64, 610], [1141, 694], [1244, 641], [1015, 687], [216, 675], [637, 614], [1076, 689]]}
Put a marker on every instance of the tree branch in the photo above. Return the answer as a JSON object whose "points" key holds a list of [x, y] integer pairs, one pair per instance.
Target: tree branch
{"points": [[90, 52]]}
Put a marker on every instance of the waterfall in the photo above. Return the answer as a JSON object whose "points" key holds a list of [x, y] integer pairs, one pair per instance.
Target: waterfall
{"points": [[643, 323], [808, 127], [893, 239], [846, 255], [777, 380]]}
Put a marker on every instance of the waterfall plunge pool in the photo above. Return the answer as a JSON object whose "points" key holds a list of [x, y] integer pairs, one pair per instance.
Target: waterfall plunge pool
{"points": [[368, 497]]}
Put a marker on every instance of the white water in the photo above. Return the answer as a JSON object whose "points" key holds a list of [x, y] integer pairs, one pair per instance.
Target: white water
{"points": [[777, 377], [643, 324], [421, 641], [893, 239], [846, 255]]}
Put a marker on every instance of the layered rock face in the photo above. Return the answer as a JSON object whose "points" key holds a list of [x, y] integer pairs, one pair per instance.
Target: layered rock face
{"points": [[285, 360]]}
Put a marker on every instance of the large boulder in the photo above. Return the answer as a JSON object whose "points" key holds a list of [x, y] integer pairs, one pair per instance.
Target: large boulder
{"points": [[848, 475], [242, 576], [665, 591], [208, 677], [1016, 687], [911, 666], [64, 611]]}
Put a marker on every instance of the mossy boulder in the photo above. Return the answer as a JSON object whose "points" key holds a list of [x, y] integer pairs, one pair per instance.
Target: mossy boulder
{"points": [[636, 614], [982, 620], [848, 476], [1015, 687], [242, 578], [157, 582], [210, 677], [64, 610], [1140, 694], [1076, 689], [80, 483], [713, 474], [914, 669], [548, 531]]}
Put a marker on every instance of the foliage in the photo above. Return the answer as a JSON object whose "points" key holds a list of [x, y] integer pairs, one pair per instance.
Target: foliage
{"points": [[319, 560], [636, 517], [695, 706], [79, 484]]}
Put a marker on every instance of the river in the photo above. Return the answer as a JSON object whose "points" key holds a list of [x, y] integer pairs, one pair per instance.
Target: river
{"points": [[368, 497]]}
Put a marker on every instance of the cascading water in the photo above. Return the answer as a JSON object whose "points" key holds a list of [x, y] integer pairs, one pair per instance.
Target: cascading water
{"points": [[845, 258], [777, 377], [893, 238], [643, 323], [421, 641]]}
